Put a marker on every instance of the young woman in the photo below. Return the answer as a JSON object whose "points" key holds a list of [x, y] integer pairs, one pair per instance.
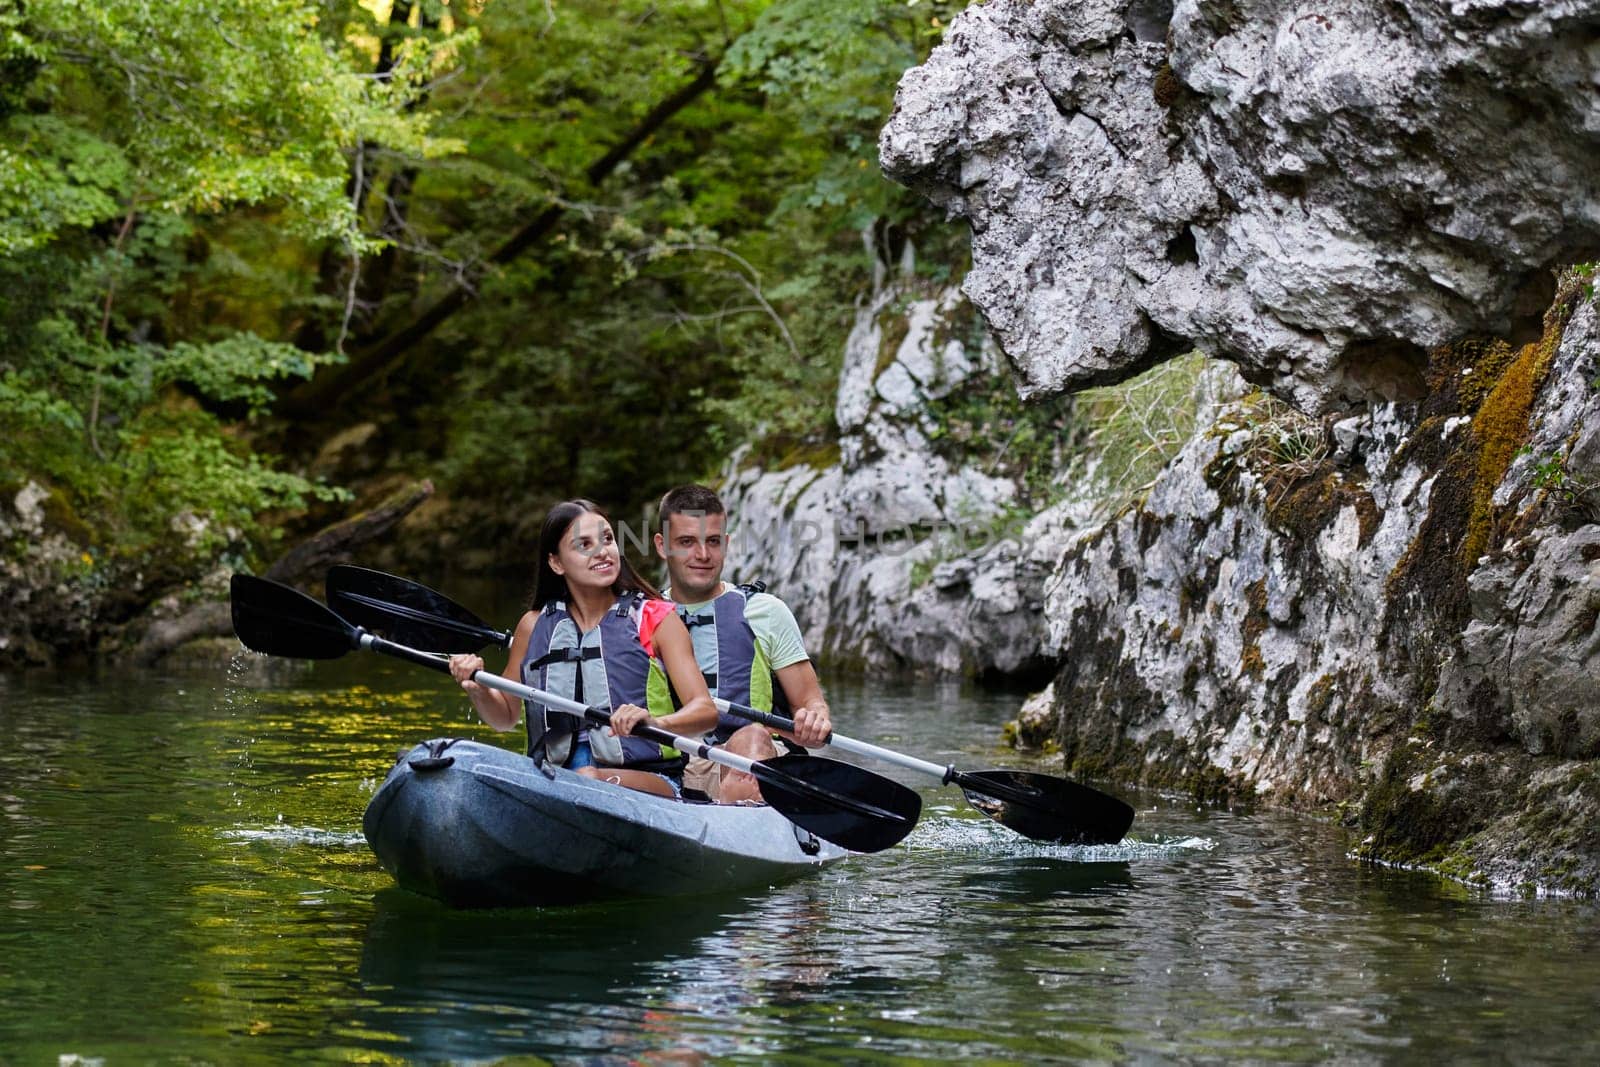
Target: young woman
{"points": [[598, 633]]}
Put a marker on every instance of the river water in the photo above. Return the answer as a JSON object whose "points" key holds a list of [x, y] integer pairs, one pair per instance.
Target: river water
{"points": [[183, 880]]}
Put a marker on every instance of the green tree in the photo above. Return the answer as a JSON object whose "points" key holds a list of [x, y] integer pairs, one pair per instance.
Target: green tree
{"points": [[699, 295], [638, 228], [129, 133]]}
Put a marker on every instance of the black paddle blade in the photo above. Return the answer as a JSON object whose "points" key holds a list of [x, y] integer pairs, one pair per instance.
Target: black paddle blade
{"points": [[406, 612], [281, 621], [854, 808], [1046, 808]]}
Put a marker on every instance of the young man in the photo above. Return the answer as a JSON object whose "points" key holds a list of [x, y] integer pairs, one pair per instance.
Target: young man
{"points": [[747, 643]]}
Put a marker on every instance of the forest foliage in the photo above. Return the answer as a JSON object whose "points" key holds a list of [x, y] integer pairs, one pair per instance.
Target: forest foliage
{"points": [[546, 248]]}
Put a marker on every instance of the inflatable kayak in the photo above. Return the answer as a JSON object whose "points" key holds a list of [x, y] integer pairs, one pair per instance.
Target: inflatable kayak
{"points": [[475, 825]]}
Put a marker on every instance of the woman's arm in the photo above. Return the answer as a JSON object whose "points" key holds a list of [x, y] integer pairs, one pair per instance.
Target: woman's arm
{"points": [[502, 711], [697, 715]]}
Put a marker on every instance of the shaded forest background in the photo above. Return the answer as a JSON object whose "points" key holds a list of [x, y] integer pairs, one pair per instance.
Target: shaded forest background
{"points": [[264, 261]]}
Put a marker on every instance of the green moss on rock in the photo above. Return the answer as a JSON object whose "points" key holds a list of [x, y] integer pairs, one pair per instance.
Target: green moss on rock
{"points": [[1410, 818], [1309, 505], [1461, 375], [1168, 86], [893, 328], [1426, 593], [1255, 624], [60, 517], [1319, 698]]}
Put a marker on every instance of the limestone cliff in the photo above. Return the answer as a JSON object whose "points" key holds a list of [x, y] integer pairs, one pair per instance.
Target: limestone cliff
{"points": [[1395, 612], [1360, 204], [894, 551], [1390, 615]]}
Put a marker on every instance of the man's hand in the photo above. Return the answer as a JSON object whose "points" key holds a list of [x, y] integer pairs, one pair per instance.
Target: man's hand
{"points": [[812, 725]]}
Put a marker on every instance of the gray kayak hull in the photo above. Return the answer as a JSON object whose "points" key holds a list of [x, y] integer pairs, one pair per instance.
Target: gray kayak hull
{"points": [[475, 825]]}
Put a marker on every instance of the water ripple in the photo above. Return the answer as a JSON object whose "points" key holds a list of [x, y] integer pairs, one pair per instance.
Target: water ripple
{"points": [[945, 832], [297, 835]]}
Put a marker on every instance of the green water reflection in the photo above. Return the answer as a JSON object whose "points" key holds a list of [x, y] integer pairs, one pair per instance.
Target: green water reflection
{"points": [[182, 879]]}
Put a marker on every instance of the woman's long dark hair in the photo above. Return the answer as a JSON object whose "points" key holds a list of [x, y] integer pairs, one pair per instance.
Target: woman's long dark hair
{"points": [[548, 585]]}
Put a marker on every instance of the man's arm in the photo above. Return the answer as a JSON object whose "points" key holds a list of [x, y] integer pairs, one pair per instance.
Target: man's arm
{"points": [[812, 722], [779, 635]]}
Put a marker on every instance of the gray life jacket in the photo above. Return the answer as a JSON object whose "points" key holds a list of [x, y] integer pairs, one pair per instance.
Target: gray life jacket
{"points": [[605, 667], [736, 668]]}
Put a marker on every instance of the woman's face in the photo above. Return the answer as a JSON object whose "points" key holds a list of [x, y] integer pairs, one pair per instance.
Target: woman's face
{"points": [[588, 553]]}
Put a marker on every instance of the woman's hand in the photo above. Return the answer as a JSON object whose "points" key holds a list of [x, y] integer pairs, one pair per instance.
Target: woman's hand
{"points": [[626, 717], [463, 665]]}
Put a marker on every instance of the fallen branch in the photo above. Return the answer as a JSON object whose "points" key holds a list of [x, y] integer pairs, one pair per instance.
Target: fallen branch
{"points": [[306, 562], [301, 566]]}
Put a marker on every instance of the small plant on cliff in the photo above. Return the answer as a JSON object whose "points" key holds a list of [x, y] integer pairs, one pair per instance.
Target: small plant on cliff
{"points": [[1288, 445], [1585, 273], [1566, 487], [984, 423]]}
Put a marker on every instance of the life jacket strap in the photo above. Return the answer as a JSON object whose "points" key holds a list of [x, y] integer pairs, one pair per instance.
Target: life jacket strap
{"points": [[565, 655]]}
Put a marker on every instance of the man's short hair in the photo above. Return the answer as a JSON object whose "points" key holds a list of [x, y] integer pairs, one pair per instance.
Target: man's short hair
{"points": [[694, 500]]}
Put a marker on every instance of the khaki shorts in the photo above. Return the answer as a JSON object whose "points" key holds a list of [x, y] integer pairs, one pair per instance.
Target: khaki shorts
{"points": [[704, 775]]}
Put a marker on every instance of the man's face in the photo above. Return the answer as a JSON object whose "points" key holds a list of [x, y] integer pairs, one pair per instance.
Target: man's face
{"points": [[694, 547]]}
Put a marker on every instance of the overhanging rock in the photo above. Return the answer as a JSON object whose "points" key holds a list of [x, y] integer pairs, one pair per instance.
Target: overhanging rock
{"points": [[1317, 192]]}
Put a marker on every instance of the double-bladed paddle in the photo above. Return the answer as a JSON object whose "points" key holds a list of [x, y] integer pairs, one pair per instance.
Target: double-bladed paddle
{"points": [[839, 802], [1038, 806]]}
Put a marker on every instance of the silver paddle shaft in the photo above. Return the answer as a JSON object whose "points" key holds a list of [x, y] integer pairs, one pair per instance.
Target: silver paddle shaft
{"points": [[843, 744], [597, 717]]}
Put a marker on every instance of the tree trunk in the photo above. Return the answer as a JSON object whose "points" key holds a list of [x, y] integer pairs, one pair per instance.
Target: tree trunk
{"points": [[332, 283]]}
